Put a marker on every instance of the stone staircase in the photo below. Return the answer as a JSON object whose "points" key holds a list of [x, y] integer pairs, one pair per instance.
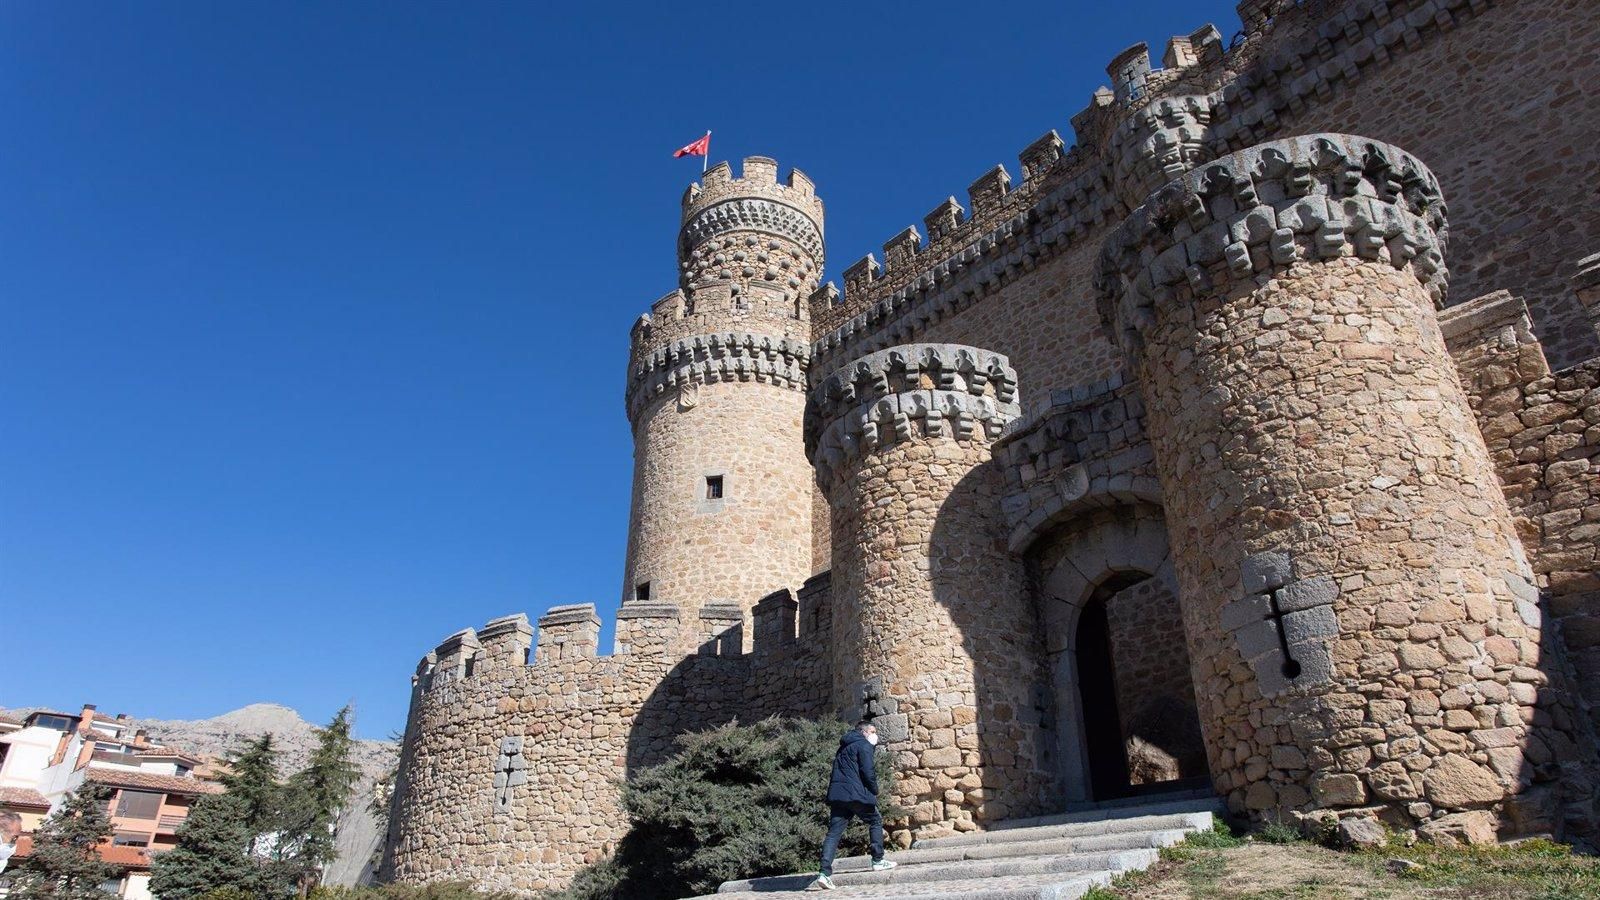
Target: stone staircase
{"points": [[1058, 857]]}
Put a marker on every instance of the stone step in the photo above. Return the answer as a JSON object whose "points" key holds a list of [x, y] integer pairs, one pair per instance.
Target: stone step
{"points": [[1187, 821], [1097, 843], [1122, 809], [964, 870], [1068, 886], [1058, 857], [1201, 790]]}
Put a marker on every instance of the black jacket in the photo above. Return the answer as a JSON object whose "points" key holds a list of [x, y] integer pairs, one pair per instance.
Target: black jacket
{"points": [[854, 779]]}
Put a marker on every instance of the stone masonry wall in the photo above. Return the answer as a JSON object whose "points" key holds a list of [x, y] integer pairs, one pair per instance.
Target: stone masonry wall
{"points": [[510, 769], [1312, 437], [1543, 431], [934, 637], [757, 537], [1465, 84], [1506, 120], [1432, 671]]}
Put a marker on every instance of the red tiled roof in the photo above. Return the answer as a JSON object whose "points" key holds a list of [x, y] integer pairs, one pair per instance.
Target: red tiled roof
{"points": [[149, 781], [16, 796], [122, 857]]}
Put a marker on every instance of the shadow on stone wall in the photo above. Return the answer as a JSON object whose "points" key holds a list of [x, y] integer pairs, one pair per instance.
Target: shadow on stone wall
{"points": [[983, 588], [700, 692]]}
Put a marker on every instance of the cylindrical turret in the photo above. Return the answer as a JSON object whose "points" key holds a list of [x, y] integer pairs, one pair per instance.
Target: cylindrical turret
{"points": [[722, 490], [1360, 619], [933, 637]]}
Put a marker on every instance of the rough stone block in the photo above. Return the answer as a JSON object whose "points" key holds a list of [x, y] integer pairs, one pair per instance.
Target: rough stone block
{"points": [[1263, 572], [1307, 593]]}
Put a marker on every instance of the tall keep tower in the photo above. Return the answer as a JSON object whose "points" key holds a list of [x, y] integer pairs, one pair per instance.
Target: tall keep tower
{"points": [[722, 490]]}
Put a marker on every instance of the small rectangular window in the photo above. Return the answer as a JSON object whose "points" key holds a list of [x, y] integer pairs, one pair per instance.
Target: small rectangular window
{"points": [[713, 487], [641, 592]]}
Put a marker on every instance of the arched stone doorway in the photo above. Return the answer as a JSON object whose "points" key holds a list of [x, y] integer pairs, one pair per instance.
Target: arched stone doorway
{"points": [[1118, 657]]}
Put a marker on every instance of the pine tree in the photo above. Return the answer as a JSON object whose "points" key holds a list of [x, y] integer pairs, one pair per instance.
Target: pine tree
{"points": [[212, 852], [252, 777], [313, 798], [740, 801], [65, 863]]}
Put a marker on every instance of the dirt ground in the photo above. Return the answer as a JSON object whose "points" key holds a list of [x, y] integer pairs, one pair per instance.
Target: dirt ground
{"points": [[1304, 871]]}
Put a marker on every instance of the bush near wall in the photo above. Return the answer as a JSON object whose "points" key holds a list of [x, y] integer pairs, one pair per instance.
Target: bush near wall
{"points": [[734, 802]]}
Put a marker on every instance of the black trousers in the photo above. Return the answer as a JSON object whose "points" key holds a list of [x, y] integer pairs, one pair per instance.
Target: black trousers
{"points": [[839, 815]]}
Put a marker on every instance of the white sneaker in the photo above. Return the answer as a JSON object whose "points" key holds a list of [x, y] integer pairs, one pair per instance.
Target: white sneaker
{"points": [[883, 864], [823, 883]]}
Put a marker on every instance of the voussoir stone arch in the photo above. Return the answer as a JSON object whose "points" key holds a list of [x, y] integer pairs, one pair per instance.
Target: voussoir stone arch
{"points": [[1051, 514], [1106, 542]]}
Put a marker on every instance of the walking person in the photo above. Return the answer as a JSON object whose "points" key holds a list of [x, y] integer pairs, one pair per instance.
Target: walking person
{"points": [[853, 794]]}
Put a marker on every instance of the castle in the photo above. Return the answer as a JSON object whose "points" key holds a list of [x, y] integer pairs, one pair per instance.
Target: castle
{"points": [[1169, 462]]}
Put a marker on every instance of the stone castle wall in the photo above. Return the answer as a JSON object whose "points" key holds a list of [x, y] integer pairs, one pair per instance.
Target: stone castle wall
{"points": [[1506, 124], [1235, 371], [511, 763]]}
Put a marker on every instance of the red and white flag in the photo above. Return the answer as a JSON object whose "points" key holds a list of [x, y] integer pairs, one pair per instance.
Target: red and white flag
{"points": [[701, 148]]}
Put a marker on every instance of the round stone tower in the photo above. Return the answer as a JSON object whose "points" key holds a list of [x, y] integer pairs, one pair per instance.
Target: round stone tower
{"points": [[933, 639], [1359, 610], [722, 490]]}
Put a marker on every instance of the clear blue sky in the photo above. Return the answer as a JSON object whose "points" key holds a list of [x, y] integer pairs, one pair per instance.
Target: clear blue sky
{"points": [[313, 317]]}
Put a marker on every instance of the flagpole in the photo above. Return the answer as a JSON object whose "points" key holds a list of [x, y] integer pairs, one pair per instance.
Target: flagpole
{"points": [[705, 158]]}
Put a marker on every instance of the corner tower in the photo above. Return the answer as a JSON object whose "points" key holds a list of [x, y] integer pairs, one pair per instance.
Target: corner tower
{"points": [[722, 490]]}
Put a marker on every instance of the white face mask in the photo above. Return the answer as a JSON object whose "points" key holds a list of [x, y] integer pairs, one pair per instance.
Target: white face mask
{"points": [[873, 739]]}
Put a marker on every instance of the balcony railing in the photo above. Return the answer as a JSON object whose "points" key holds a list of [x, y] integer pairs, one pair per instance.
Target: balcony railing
{"points": [[169, 823]]}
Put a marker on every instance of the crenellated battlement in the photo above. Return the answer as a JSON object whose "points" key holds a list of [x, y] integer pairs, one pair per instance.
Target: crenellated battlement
{"points": [[750, 254], [933, 390], [758, 178], [751, 226], [648, 635], [1206, 101]]}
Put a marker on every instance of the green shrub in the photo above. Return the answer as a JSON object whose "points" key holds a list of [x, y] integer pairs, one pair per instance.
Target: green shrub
{"points": [[734, 802]]}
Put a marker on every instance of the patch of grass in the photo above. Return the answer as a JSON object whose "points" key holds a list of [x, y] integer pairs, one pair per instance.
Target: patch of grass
{"points": [[1276, 833], [1536, 869], [1220, 837]]}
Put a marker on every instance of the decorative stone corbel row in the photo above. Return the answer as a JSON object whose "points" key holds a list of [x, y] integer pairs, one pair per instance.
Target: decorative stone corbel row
{"points": [[1313, 197], [743, 214], [1159, 143], [710, 358], [908, 392]]}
